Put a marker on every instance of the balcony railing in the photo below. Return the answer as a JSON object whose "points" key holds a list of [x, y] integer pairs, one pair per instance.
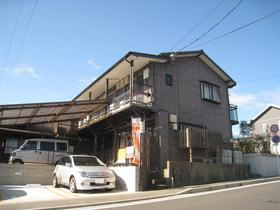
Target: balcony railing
{"points": [[142, 95], [233, 114]]}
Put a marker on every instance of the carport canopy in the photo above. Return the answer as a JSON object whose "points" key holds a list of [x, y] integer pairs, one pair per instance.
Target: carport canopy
{"points": [[20, 114]]}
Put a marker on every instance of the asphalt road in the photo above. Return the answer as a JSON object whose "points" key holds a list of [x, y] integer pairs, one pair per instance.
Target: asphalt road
{"points": [[261, 196]]}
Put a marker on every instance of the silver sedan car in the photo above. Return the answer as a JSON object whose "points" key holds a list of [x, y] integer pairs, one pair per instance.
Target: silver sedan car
{"points": [[83, 172]]}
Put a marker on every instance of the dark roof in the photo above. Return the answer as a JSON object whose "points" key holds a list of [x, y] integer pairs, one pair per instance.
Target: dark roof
{"points": [[263, 113]]}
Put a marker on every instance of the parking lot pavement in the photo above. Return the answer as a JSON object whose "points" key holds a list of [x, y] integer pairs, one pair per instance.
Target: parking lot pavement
{"points": [[12, 194]]}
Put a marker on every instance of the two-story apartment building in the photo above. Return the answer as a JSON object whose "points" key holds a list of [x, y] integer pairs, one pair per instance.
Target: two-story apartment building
{"points": [[181, 99], [146, 110]]}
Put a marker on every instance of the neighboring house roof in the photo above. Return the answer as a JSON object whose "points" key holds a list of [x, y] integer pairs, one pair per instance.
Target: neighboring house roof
{"points": [[263, 112], [142, 59]]}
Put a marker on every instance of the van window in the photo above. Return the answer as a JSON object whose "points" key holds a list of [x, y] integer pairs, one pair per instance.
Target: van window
{"points": [[47, 146], [61, 147], [30, 145]]}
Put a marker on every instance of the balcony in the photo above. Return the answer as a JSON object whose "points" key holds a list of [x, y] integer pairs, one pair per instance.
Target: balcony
{"points": [[117, 102], [233, 114]]}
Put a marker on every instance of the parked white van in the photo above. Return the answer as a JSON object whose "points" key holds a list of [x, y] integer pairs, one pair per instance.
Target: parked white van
{"points": [[46, 151]]}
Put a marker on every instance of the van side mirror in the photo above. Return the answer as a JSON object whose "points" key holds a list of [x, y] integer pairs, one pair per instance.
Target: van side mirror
{"points": [[68, 165]]}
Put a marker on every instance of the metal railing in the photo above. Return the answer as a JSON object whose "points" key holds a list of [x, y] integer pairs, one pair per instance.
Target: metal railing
{"points": [[233, 114], [142, 95]]}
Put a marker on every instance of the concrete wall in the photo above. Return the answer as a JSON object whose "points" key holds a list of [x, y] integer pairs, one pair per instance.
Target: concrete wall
{"points": [[128, 178], [185, 173], [16, 174], [264, 165]]}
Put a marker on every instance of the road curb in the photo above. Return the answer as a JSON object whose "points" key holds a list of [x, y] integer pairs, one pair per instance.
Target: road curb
{"points": [[226, 185]]}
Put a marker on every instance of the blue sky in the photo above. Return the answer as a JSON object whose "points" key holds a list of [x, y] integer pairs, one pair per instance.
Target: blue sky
{"points": [[69, 43]]}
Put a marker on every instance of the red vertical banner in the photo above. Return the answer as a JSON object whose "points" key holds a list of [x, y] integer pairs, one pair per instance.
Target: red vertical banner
{"points": [[136, 125]]}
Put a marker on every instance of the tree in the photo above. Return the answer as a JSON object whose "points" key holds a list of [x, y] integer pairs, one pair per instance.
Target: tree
{"points": [[245, 129], [250, 143]]}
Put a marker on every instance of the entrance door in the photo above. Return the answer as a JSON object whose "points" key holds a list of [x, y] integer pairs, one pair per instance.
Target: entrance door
{"points": [[150, 155]]}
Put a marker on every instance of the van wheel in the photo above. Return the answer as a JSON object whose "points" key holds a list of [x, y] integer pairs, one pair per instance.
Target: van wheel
{"points": [[17, 162], [54, 181], [72, 185]]}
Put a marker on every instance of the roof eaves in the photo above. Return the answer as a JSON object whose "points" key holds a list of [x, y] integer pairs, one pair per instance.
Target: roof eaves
{"points": [[230, 80], [125, 57]]}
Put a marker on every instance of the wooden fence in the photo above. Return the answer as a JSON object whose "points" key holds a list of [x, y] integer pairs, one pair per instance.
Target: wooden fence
{"points": [[200, 138]]}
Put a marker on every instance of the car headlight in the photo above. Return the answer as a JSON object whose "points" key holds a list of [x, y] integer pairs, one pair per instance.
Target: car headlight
{"points": [[112, 174], [13, 154], [83, 173]]}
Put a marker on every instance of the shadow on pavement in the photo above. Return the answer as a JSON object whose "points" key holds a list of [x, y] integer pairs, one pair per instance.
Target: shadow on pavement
{"points": [[11, 192]]}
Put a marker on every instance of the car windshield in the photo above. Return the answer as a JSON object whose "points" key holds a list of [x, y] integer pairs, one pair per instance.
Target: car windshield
{"points": [[87, 161]]}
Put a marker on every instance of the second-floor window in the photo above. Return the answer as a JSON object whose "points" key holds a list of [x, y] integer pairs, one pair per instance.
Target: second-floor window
{"points": [[168, 79], [210, 92]]}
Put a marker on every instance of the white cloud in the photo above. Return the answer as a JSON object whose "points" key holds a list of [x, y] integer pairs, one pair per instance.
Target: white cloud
{"points": [[242, 99], [23, 70], [93, 64], [251, 105]]}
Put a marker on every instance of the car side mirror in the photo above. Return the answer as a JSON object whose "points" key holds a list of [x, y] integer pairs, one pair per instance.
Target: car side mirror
{"points": [[68, 165]]}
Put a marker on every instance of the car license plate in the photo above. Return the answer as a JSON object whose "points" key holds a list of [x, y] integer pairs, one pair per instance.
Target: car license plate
{"points": [[100, 181]]}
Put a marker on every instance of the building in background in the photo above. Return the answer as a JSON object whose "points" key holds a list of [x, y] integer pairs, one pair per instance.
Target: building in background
{"points": [[262, 125]]}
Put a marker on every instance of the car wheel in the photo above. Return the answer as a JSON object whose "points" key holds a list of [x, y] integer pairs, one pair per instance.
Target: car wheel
{"points": [[54, 181], [72, 185]]}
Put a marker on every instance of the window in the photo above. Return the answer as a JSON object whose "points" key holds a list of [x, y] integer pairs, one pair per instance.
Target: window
{"points": [[86, 161], [61, 147], [61, 162], [168, 79], [210, 92], [30, 145], [67, 160], [47, 146]]}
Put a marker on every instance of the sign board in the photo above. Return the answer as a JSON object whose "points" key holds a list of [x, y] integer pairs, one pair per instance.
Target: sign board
{"points": [[274, 128], [136, 125], [121, 156], [129, 152], [275, 139]]}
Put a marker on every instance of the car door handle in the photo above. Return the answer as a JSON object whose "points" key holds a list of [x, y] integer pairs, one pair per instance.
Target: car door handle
{"points": [[35, 151]]}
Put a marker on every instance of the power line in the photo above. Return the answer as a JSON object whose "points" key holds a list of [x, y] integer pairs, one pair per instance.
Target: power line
{"points": [[218, 23], [195, 26], [11, 40], [237, 29], [26, 30]]}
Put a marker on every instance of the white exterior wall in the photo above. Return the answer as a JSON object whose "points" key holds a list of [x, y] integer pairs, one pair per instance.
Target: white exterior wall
{"points": [[127, 178], [262, 164]]}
